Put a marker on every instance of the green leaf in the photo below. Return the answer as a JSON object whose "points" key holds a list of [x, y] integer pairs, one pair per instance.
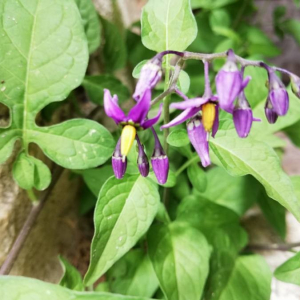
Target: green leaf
{"points": [[178, 138], [170, 182], [22, 288], [7, 142], [91, 23], [197, 177], [180, 257], [292, 27], [94, 86], [95, 178], [79, 143], [137, 69], [23, 171], [114, 48], [247, 156], [42, 174], [168, 24], [235, 193], [71, 278], [250, 279], [293, 133], [124, 211], [289, 271], [133, 275], [87, 200], [184, 82], [274, 213], [208, 4]]}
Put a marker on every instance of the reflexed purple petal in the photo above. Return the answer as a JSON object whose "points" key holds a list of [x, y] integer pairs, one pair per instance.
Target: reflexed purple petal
{"points": [[280, 101], [139, 112], [160, 166], [199, 139], [195, 102], [119, 165], [112, 108], [246, 81], [216, 122], [142, 161], [186, 114], [149, 123], [229, 84], [150, 75], [270, 113], [242, 119]]}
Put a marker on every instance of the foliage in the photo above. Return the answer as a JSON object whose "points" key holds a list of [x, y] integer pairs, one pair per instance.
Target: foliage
{"points": [[177, 240]]}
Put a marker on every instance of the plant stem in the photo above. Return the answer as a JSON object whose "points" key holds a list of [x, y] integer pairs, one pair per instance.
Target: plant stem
{"points": [[28, 225], [32, 196], [166, 104], [275, 247], [186, 164]]}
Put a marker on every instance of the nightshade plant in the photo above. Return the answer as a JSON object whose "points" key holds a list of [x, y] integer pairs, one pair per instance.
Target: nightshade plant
{"points": [[166, 215]]}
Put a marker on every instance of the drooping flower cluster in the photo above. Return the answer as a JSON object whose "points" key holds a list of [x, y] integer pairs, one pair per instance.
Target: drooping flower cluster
{"points": [[201, 113], [137, 120]]}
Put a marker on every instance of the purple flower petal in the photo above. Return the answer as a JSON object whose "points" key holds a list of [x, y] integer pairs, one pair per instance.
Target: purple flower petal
{"points": [[216, 122], [119, 164], [186, 114], [139, 112], [149, 123], [112, 108], [280, 101], [195, 102], [199, 139], [243, 119]]}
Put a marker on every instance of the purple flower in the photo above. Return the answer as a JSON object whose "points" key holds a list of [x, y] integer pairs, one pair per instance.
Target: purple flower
{"points": [[278, 95], [243, 116], [295, 83], [119, 164], [271, 115], [229, 83], [142, 161], [150, 75], [199, 139], [159, 161]]}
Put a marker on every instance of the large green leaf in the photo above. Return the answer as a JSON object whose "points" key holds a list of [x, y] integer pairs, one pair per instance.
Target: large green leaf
{"points": [[133, 275], [208, 4], [124, 211], [43, 56], [72, 278], [168, 25], [91, 23], [248, 156], [94, 85], [22, 288], [289, 271], [250, 279], [180, 257]]}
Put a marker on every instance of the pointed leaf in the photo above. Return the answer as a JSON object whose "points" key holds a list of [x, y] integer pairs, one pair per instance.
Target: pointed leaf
{"points": [[168, 24], [7, 142], [124, 211], [247, 156], [180, 257]]}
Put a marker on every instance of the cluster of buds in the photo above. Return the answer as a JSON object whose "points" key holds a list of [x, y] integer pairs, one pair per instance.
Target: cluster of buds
{"points": [[200, 113]]}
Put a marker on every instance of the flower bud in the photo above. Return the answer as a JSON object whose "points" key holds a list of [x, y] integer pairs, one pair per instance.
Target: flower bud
{"points": [[142, 161], [119, 163], [242, 116], [199, 139], [229, 83], [295, 83], [278, 95], [159, 161], [270, 113], [150, 75]]}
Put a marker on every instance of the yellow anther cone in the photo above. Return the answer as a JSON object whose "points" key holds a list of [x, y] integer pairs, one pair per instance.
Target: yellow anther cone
{"points": [[208, 115], [127, 139]]}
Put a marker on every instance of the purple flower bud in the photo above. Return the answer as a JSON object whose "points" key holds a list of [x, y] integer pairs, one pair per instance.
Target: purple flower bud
{"points": [[199, 139], [271, 115], [242, 116], [229, 83], [278, 95], [295, 83], [151, 74], [159, 161], [143, 162], [119, 163]]}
